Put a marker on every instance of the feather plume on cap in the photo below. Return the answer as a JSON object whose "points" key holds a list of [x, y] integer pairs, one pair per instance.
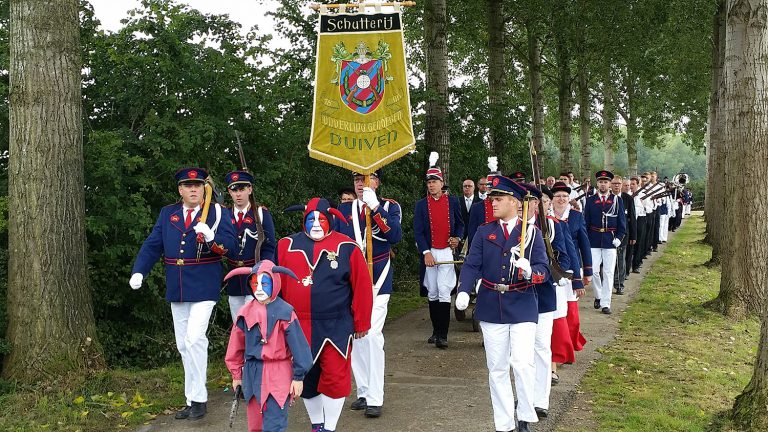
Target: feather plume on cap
{"points": [[433, 158], [493, 163]]}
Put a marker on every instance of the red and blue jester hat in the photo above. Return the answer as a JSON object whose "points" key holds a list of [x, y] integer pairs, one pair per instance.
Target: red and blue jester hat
{"points": [[317, 217]]}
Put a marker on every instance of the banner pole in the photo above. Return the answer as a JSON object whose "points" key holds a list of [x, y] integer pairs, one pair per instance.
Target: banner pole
{"points": [[368, 232]]}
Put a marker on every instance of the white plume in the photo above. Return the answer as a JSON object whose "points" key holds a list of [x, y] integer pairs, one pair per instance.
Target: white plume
{"points": [[433, 158], [493, 164]]}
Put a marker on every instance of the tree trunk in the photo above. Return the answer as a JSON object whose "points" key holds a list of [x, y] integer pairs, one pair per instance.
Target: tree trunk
{"points": [[746, 136], [50, 316], [537, 99], [632, 134], [496, 74], [436, 132], [565, 103], [608, 116], [584, 123], [743, 282], [716, 151]]}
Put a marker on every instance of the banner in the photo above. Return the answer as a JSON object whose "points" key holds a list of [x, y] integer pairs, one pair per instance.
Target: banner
{"points": [[361, 118]]}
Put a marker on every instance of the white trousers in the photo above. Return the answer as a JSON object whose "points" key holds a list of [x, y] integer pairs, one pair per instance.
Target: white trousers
{"points": [[440, 279], [368, 356], [236, 302], [510, 345], [663, 227], [190, 323], [686, 209], [543, 360], [602, 285]]}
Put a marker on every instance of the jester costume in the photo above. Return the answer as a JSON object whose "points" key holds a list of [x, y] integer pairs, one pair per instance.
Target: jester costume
{"points": [[267, 349], [333, 298]]}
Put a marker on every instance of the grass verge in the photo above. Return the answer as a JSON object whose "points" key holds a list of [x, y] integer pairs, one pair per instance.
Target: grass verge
{"points": [[122, 399], [674, 366]]}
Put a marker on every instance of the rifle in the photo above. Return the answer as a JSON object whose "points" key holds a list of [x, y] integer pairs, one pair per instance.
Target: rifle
{"points": [[259, 226], [235, 405], [557, 271], [654, 190]]}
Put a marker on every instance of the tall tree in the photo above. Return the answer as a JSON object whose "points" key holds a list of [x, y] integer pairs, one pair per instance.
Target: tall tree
{"points": [[743, 282], [716, 151], [746, 136], [561, 22], [584, 119], [608, 116], [437, 133], [496, 73], [50, 316]]}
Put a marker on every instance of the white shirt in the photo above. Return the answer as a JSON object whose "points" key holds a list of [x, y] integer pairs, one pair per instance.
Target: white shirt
{"points": [[639, 207], [194, 212], [243, 210], [482, 195]]}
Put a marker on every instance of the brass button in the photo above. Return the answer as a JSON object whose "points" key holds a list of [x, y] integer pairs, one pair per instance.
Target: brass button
{"points": [[180, 262]]}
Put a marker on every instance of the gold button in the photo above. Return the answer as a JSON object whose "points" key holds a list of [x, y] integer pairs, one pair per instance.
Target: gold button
{"points": [[180, 262]]}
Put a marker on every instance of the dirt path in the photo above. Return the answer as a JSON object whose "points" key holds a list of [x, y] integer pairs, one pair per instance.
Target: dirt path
{"points": [[431, 390]]}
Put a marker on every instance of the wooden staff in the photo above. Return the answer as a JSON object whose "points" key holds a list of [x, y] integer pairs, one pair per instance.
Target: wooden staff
{"points": [[316, 6], [204, 217], [525, 224], [368, 233]]}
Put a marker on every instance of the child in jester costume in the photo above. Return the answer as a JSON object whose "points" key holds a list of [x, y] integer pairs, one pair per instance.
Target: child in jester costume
{"points": [[333, 298], [267, 354]]}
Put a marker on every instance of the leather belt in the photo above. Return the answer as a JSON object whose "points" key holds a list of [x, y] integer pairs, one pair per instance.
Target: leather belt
{"points": [[502, 288], [241, 263], [602, 229], [191, 261]]}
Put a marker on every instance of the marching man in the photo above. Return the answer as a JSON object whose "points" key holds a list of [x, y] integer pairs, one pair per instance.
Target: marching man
{"points": [[606, 227], [193, 274], [332, 297], [437, 227], [368, 352], [246, 218], [506, 304]]}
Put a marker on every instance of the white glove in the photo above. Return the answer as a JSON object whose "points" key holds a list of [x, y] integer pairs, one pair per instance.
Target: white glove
{"points": [[524, 265], [616, 242], [369, 198], [135, 281], [562, 282], [208, 233], [462, 301]]}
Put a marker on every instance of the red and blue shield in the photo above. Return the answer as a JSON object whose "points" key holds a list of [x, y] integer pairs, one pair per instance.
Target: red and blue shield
{"points": [[362, 85]]}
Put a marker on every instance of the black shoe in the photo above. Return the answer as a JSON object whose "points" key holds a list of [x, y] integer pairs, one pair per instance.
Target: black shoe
{"points": [[441, 343], [607, 310], [635, 270], [432, 339], [359, 404], [198, 410], [555, 378], [183, 414], [522, 426], [620, 291], [373, 411], [541, 412], [597, 303]]}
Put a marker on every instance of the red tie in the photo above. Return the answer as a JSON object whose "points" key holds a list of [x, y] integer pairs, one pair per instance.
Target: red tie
{"points": [[506, 232], [239, 218], [188, 219]]}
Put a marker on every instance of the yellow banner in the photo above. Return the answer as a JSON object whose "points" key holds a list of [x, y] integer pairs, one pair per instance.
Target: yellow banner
{"points": [[361, 118]]}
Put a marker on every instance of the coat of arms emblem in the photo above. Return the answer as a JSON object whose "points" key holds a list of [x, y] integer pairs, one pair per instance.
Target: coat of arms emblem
{"points": [[361, 75]]}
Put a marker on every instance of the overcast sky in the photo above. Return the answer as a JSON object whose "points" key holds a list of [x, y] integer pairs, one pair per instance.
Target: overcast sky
{"points": [[246, 12]]}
